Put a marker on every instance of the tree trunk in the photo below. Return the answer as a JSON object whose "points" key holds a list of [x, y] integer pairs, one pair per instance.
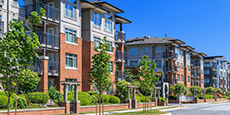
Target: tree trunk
{"points": [[100, 104], [145, 101], [8, 105]]}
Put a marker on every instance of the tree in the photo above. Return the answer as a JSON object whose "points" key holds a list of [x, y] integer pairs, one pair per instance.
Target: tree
{"points": [[146, 73], [99, 74], [28, 81], [177, 89], [209, 90], [122, 90], [171, 88], [129, 76], [17, 51], [199, 90]]}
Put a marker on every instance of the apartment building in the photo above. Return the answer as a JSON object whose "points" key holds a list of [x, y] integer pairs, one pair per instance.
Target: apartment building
{"points": [[68, 33], [171, 56], [197, 69], [216, 70]]}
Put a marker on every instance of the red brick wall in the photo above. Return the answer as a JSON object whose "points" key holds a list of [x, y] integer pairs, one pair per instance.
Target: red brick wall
{"points": [[37, 112], [87, 53], [140, 105], [69, 73], [106, 108], [222, 99]]}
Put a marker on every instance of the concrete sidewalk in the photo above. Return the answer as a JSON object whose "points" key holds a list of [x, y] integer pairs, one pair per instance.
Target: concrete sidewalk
{"points": [[130, 110]]}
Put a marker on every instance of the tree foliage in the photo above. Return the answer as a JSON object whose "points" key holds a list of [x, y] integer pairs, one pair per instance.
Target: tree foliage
{"points": [[129, 76], [177, 89], [28, 81], [199, 90], [17, 51]]}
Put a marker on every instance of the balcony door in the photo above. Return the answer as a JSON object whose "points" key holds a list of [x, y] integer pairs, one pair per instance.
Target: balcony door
{"points": [[50, 10], [50, 36], [50, 65]]}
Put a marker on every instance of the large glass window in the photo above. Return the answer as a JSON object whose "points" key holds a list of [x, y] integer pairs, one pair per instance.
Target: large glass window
{"points": [[206, 81], [133, 51], [158, 62], [206, 64], [70, 60], [158, 50], [182, 78], [70, 9], [206, 72], [97, 42], [178, 78], [97, 20], [188, 79], [133, 63], [108, 23], [70, 35], [111, 66], [146, 49], [71, 87]]}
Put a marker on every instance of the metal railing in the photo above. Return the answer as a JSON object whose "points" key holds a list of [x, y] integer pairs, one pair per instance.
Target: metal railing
{"points": [[120, 35], [38, 66], [195, 64], [167, 55], [53, 67], [49, 40], [52, 13], [214, 67], [121, 75], [166, 68], [1, 28], [120, 55]]}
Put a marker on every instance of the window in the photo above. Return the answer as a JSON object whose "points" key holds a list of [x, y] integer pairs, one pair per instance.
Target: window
{"points": [[133, 63], [206, 81], [188, 56], [206, 64], [70, 60], [214, 82], [158, 50], [206, 72], [15, 2], [108, 23], [97, 42], [146, 49], [182, 67], [70, 9], [214, 73], [70, 35], [71, 87], [110, 46], [178, 78], [188, 68], [188, 79], [111, 66], [181, 53], [178, 65], [133, 51], [201, 81], [182, 79], [158, 62], [177, 51], [97, 20]]}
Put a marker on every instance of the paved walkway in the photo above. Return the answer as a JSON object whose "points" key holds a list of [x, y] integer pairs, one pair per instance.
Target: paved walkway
{"points": [[130, 110]]}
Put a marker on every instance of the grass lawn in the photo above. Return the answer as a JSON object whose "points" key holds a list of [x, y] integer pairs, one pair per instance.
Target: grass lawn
{"points": [[154, 112]]}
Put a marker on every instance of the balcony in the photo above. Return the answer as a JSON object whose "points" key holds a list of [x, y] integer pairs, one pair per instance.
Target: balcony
{"points": [[120, 56], [214, 67], [195, 64], [49, 40], [53, 68], [52, 13], [1, 29], [120, 75], [120, 37], [38, 66], [166, 68], [167, 55]]}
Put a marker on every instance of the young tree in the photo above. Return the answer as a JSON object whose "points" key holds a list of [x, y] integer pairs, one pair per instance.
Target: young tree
{"points": [[16, 51], [129, 76], [177, 89], [146, 73], [99, 74]]}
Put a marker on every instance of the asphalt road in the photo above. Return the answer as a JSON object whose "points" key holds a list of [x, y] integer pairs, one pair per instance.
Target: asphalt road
{"points": [[203, 109]]}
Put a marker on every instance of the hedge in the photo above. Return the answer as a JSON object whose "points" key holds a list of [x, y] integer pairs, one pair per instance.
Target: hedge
{"points": [[92, 92], [39, 99], [163, 99], [172, 97], [114, 99], [4, 100], [21, 102], [224, 96], [208, 96]]}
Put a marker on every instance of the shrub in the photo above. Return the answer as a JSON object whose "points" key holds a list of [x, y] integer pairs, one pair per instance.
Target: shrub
{"points": [[200, 96], [227, 93], [171, 88], [208, 96], [71, 92], [114, 100], [93, 98], [85, 100], [54, 94], [224, 96], [199, 90], [219, 91], [83, 93], [138, 98], [21, 102], [4, 101], [172, 97], [106, 98], [39, 98], [92, 92], [145, 99], [163, 99], [189, 94], [210, 89], [177, 89]]}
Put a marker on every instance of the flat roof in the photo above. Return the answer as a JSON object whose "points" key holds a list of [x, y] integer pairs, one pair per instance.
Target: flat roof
{"points": [[122, 20]]}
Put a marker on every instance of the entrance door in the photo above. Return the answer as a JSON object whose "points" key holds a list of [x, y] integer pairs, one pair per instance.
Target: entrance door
{"points": [[50, 36], [50, 10]]}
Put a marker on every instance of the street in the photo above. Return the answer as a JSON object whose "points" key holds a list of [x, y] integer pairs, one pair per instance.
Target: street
{"points": [[203, 109]]}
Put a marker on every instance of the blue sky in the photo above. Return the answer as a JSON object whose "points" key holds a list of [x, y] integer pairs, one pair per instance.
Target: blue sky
{"points": [[202, 24]]}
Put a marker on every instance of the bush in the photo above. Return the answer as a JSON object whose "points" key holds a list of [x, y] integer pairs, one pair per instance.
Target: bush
{"points": [[172, 97], [210, 89], [84, 100], [93, 98], [163, 99], [92, 92], [208, 96], [138, 98], [171, 88], [200, 96], [219, 91], [177, 89], [224, 96], [4, 100], [39, 99], [227, 93], [21, 102], [114, 100], [189, 94], [199, 90], [54, 94], [106, 98], [145, 99]]}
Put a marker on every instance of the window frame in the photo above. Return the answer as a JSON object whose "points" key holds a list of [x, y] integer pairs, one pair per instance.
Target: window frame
{"points": [[133, 61], [74, 7], [188, 79], [146, 48], [95, 25], [106, 28], [132, 49], [70, 86], [67, 31], [156, 50], [178, 78], [182, 78], [160, 63], [74, 59]]}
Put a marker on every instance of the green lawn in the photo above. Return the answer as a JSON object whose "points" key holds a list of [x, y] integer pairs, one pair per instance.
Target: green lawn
{"points": [[154, 112]]}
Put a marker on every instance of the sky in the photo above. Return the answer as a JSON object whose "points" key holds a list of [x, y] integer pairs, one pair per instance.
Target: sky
{"points": [[202, 24]]}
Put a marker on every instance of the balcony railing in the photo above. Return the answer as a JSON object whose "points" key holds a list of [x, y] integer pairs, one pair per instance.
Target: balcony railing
{"points": [[49, 40], [120, 75], [195, 64], [167, 55], [53, 68], [120, 56], [52, 13], [166, 68], [38, 66], [120, 36], [214, 67], [1, 28]]}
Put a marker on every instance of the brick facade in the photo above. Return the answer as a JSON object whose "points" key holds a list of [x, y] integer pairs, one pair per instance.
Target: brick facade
{"points": [[42, 111]]}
